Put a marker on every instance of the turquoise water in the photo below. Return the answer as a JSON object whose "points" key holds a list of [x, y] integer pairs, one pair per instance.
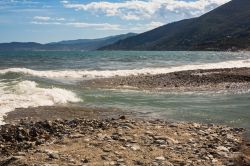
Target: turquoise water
{"points": [[209, 107], [29, 79]]}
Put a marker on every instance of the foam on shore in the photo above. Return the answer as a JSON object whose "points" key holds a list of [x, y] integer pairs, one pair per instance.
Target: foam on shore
{"points": [[92, 74], [27, 94]]}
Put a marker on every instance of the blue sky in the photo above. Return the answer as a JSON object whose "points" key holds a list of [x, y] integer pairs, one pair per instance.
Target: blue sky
{"points": [[54, 20]]}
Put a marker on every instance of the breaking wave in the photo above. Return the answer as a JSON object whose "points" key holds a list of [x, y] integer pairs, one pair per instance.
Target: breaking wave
{"points": [[91, 74], [27, 94]]}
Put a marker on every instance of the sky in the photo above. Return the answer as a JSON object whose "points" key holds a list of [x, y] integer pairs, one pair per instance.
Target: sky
{"points": [[55, 20]]}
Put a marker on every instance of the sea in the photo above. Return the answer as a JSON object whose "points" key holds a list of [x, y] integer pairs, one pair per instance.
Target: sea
{"points": [[40, 78]]}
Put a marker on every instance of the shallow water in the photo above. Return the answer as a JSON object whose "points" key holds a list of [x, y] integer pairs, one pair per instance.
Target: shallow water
{"points": [[29, 79]]}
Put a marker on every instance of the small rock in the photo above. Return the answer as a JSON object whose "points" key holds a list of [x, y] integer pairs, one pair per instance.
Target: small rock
{"points": [[196, 125], [162, 146], [72, 161], [112, 163], [161, 158], [21, 154], [155, 164], [149, 133], [123, 117], [106, 149], [167, 163], [53, 155], [40, 141], [135, 147], [137, 162], [160, 142], [104, 157], [222, 149], [86, 140], [173, 125], [85, 161], [120, 160], [224, 154], [76, 136]]}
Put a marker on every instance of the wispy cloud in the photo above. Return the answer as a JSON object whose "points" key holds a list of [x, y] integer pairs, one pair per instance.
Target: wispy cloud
{"points": [[103, 26], [99, 26], [46, 18], [19, 3], [45, 23], [96, 26], [147, 9], [20, 6], [22, 1], [41, 18], [60, 19]]}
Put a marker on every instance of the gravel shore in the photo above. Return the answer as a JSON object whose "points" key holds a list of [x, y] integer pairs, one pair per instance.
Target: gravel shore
{"points": [[120, 141], [41, 136], [62, 112], [214, 79]]}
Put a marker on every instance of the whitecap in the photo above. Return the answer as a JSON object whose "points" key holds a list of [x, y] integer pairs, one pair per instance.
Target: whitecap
{"points": [[27, 94], [91, 74]]}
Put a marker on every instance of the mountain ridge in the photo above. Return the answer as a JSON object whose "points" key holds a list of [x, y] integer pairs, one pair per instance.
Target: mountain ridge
{"points": [[66, 45], [224, 28]]}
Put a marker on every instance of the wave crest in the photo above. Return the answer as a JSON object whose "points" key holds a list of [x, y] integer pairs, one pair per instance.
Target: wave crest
{"points": [[27, 94], [91, 74]]}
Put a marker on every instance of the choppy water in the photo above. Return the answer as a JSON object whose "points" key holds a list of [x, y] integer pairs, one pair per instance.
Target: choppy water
{"points": [[30, 79]]}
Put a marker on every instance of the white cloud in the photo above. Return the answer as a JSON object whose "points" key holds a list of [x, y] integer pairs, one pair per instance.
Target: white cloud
{"points": [[101, 26], [148, 9], [59, 19], [97, 26], [45, 18], [64, 1], [45, 23], [107, 26], [41, 18]]}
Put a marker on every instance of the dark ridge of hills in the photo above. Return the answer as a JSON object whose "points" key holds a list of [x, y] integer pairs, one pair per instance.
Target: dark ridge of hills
{"points": [[224, 28], [20, 46], [68, 45]]}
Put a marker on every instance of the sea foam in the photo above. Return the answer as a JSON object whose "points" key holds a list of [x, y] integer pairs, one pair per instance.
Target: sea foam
{"points": [[91, 74], [27, 94]]}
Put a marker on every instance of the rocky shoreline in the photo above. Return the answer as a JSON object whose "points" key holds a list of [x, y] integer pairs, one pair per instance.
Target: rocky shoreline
{"points": [[62, 112], [213, 79], [68, 135], [120, 141]]}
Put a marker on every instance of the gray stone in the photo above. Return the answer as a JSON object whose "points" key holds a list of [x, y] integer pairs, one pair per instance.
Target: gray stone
{"points": [[76, 136], [53, 155], [135, 147], [222, 149], [160, 142], [160, 158]]}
